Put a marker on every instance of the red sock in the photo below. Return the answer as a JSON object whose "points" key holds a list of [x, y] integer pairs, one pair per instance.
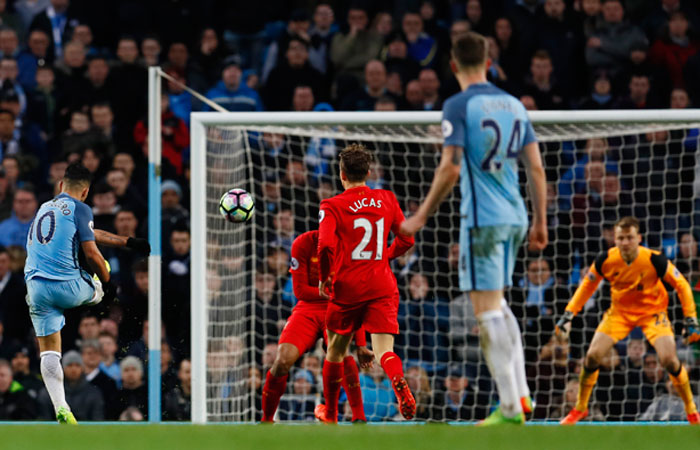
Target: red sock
{"points": [[271, 393], [351, 384], [392, 365], [332, 381]]}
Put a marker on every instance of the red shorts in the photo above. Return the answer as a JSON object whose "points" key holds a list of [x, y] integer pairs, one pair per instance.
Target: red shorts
{"points": [[306, 324], [377, 316]]}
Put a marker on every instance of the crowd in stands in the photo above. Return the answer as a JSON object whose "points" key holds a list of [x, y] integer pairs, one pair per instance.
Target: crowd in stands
{"points": [[73, 86]]}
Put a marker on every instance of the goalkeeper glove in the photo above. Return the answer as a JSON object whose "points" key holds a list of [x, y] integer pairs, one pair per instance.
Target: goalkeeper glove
{"points": [[563, 325], [140, 245], [691, 330]]}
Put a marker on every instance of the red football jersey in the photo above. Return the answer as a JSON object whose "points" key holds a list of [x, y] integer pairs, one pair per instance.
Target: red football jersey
{"points": [[353, 231], [304, 267]]}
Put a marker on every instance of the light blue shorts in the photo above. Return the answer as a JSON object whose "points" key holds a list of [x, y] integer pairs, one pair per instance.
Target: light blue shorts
{"points": [[47, 299], [487, 256]]}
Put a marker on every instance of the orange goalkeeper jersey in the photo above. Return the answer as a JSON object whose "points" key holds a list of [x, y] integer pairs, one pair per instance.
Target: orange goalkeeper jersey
{"points": [[637, 288]]}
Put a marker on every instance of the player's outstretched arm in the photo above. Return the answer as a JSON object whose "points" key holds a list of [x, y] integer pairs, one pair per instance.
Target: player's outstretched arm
{"points": [[112, 240], [446, 176], [537, 187], [96, 260], [584, 291], [672, 276]]}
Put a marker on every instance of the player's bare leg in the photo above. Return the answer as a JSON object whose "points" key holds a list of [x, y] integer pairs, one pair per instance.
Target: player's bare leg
{"points": [[333, 373], [665, 348], [600, 346], [276, 379], [497, 347], [52, 373], [383, 347]]}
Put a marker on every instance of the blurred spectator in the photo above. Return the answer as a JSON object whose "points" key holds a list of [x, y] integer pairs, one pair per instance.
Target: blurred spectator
{"points": [[230, 92], [548, 376], [568, 402], [8, 82], [131, 414], [321, 36], [601, 96], [510, 59], [15, 402], [85, 399], [127, 195], [351, 50], [421, 47], [134, 303], [561, 35], [9, 42], [208, 56], [173, 213], [42, 101], [542, 86], [177, 402], [659, 17], [294, 70], [674, 48], [13, 307], [396, 59], [11, 21], [150, 49], [421, 315], [176, 290], [179, 99], [57, 21], [687, 258], [168, 372], [303, 99], [463, 330], [13, 231], [679, 99], [665, 407], [130, 77], [430, 86], [419, 383], [297, 28], [27, 9], [414, 95], [101, 86], [459, 401], [382, 24], [384, 104], [81, 135], [300, 405], [133, 392], [590, 15], [523, 15], [377, 394], [638, 97], [611, 43], [108, 362], [36, 54], [91, 354], [175, 136], [495, 73], [363, 99], [103, 121], [23, 374]]}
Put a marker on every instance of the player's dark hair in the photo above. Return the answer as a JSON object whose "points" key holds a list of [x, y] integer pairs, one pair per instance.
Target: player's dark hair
{"points": [[3, 249], [355, 160], [7, 111], [77, 175], [140, 266], [541, 54], [89, 315], [627, 222], [469, 50], [107, 334]]}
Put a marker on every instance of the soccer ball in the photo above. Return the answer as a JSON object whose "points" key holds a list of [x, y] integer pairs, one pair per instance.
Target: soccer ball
{"points": [[237, 205]]}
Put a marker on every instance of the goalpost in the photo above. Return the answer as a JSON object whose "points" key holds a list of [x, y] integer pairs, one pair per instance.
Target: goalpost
{"points": [[600, 165]]}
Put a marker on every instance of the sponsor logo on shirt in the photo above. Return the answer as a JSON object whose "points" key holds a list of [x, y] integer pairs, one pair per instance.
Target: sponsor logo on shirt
{"points": [[321, 215], [294, 264]]}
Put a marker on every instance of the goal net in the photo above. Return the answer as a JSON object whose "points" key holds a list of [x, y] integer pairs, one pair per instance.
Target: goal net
{"points": [[600, 166]]}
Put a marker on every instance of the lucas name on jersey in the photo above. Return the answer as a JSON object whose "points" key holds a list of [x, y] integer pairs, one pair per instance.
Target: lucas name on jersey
{"points": [[365, 203]]}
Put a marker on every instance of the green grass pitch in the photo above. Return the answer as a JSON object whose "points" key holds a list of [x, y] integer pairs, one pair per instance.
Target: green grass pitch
{"points": [[311, 437]]}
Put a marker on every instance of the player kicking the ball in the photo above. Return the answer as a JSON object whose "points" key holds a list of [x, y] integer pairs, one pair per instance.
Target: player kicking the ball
{"points": [[55, 281], [305, 325], [486, 131], [355, 276], [639, 299]]}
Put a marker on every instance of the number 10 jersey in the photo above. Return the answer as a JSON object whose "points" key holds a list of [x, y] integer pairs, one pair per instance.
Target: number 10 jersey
{"points": [[58, 229]]}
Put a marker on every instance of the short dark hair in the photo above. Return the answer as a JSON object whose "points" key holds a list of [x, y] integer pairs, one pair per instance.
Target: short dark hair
{"points": [[140, 266], [77, 175], [627, 222], [469, 50], [541, 54], [355, 160], [7, 111]]}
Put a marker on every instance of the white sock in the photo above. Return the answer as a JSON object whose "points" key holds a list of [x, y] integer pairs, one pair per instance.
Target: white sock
{"points": [[518, 353], [498, 351], [52, 373]]}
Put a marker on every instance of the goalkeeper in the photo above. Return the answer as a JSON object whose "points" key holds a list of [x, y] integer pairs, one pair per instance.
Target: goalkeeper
{"points": [[639, 299]]}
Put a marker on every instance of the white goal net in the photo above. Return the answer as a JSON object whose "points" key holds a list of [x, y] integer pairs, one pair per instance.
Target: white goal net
{"points": [[599, 167]]}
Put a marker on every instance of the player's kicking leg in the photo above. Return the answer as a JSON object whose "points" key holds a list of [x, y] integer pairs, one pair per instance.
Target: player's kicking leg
{"points": [[600, 346], [497, 346], [665, 347]]}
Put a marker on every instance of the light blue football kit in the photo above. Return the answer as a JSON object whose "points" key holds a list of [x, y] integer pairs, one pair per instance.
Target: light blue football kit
{"points": [[492, 127], [55, 281]]}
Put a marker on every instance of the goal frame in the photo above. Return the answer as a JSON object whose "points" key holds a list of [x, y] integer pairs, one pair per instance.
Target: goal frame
{"points": [[198, 143]]}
